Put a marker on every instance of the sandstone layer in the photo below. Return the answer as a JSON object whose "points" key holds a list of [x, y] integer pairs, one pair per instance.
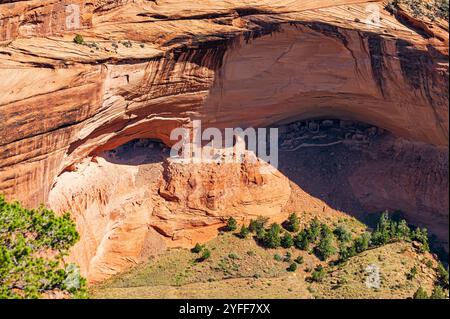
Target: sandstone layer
{"points": [[147, 67], [133, 202]]}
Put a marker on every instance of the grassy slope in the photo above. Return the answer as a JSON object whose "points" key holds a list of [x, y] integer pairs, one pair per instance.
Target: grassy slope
{"points": [[395, 261], [254, 273], [234, 264]]}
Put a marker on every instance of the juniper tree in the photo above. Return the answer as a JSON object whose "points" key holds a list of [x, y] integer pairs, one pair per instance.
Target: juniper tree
{"points": [[272, 237], [243, 233], [325, 248], [287, 241], [231, 224], [342, 234], [362, 243], [314, 230], [33, 243], [258, 224], [301, 241], [293, 223]]}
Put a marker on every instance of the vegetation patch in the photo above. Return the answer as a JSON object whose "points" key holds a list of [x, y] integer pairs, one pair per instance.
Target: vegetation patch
{"points": [[33, 243], [330, 260], [432, 9]]}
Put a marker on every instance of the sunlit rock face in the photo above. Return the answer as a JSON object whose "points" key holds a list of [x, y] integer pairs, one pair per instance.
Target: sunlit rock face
{"points": [[148, 67], [134, 202]]}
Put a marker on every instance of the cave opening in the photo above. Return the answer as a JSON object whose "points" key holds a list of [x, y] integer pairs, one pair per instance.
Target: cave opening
{"points": [[362, 170], [326, 166]]}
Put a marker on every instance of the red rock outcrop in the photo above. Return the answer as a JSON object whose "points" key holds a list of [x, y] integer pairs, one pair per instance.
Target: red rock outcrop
{"points": [[130, 204], [149, 66]]}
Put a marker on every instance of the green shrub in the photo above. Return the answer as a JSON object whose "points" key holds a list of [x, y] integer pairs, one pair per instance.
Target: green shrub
{"points": [[197, 248], [231, 224], [287, 241], [205, 255], [325, 248], [421, 236], [429, 263], [258, 224], [78, 39], [287, 257], [243, 233], [346, 252], [233, 256], [318, 275], [412, 273], [127, 44], [301, 241], [293, 223], [33, 243], [362, 243], [272, 237], [299, 260], [277, 257], [314, 230], [292, 267], [342, 234], [442, 276], [420, 294], [438, 293]]}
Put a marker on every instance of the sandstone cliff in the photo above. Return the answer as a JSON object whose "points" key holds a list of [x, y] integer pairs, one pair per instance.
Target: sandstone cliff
{"points": [[149, 66]]}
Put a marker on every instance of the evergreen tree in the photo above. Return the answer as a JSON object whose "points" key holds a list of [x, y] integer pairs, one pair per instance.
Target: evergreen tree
{"points": [[383, 232], [287, 241], [325, 230], [314, 230], [260, 234], [346, 252], [33, 243], [342, 234], [272, 238], [231, 224], [362, 243], [292, 267], [302, 240], [421, 236], [197, 248], [293, 223], [443, 277], [258, 224], [243, 233], [325, 248], [403, 231]]}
